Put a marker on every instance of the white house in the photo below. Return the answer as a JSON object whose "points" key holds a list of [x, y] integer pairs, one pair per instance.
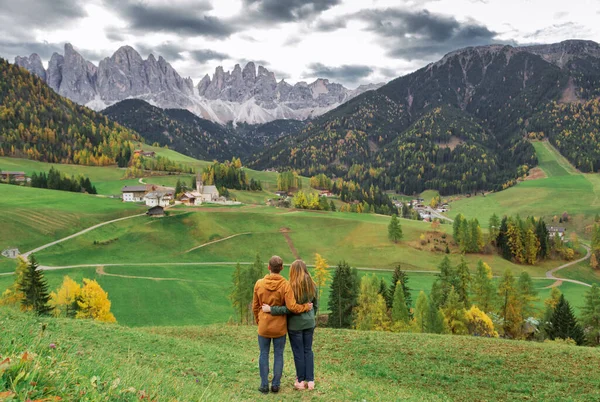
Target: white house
{"points": [[158, 198], [557, 231], [11, 253], [133, 193]]}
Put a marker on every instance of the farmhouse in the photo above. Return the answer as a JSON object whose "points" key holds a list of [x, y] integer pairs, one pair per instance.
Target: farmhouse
{"points": [[11, 252], [148, 154], [191, 198], [8, 175], [158, 198], [559, 231], [133, 193], [156, 211], [325, 193]]}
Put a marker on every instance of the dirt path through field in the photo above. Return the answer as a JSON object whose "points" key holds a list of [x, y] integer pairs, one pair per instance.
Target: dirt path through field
{"points": [[550, 274], [100, 271], [217, 241], [286, 233]]}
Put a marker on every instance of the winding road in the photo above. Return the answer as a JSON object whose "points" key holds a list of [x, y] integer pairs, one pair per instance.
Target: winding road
{"points": [[100, 267]]}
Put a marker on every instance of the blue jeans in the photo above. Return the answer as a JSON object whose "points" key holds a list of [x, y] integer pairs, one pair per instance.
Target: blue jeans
{"points": [[301, 342], [263, 361]]}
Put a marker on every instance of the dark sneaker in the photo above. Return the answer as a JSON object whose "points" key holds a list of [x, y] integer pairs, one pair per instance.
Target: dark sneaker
{"points": [[264, 390], [274, 389]]}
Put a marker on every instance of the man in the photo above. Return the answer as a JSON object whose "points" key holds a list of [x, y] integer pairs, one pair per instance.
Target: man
{"points": [[273, 290]]}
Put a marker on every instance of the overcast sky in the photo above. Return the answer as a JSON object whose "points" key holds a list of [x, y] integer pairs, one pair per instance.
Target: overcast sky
{"points": [[348, 41]]}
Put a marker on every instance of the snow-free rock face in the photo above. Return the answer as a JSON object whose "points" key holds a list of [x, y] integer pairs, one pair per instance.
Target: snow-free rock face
{"points": [[251, 94], [33, 64]]}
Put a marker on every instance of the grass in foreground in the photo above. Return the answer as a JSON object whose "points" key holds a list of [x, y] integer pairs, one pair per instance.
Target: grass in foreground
{"points": [[108, 362]]}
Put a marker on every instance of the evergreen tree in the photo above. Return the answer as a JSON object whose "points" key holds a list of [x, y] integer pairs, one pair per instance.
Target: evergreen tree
{"points": [[383, 290], [399, 276], [447, 279], [482, 288], [527, 295], [436, 322], [563, 324], [332, 206], [422, 312], [343, 296], [476, 242], [399, 310], [395, 229], [463, 282], [510, 308], [590, 316], [456, 228], [464, 236], [237, 295], [502, 240], [371, 312], [178, 189], [543, 236], [494, 229], [35, 289], [455, 314]]}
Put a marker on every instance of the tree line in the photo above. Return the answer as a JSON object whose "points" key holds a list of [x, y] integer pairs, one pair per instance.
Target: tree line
{"points": [[30, 291], [54, 180], [229, 175]]}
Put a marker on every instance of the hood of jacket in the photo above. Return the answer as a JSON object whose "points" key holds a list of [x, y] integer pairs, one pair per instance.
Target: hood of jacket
{"points": [[273, 282]]}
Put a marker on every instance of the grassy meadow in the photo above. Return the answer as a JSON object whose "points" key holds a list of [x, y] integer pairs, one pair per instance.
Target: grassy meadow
{"points": [[219, 362], [564, 189]]}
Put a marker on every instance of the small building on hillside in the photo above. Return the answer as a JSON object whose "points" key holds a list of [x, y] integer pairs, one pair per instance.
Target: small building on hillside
{"points": [[8, 175], [147, 154], [282, 193], [559, 231], [191, 198], [325, 193], [156, 212], [12, 252], [133, 193], [158, 198]]}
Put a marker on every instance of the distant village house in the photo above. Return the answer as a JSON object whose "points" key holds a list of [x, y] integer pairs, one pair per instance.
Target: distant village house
{"points": [[559, 231], [156, 212], [11, 253], [201, 194], [133, 193], [18, 177], [148, 154], [158, 198]]}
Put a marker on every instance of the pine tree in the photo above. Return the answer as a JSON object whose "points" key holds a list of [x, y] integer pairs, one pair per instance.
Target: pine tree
{"points": [[476, 242], [502, 240], [463, 283], [399, 310], [94, 303], [178, 189], [332, 206], [510, 307], [237, 292], [563, 324], [395, 229], [64, 301], [35, 289], [370, 311], [527, 295], [399, 276], [383, 290], [465, 236], [532, 247], [543, 236], [456, 228], [494, 229], [455, 314], [447, 279], [322, 274], [422, 311], [515, 242], [343, 296], [590, 316], [482, 288], [436, 321], [13, 295]]}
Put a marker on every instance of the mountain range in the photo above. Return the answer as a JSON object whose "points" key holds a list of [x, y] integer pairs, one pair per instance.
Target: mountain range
{"points": [[251, 95], [458, 125]]}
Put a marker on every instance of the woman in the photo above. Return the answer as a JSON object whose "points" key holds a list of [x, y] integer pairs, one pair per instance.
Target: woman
{"points": [[301, 327]]}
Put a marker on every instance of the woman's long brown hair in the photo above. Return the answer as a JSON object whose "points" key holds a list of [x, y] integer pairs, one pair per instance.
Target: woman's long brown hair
{"points": [[302, 284]]}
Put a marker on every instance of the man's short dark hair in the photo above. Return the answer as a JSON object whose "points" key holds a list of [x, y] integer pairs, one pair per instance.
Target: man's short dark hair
{"points": [[276, 264]]}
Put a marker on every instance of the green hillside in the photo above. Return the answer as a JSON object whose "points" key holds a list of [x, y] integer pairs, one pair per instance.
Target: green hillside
{"points": [[564, 189], [109, 362]]}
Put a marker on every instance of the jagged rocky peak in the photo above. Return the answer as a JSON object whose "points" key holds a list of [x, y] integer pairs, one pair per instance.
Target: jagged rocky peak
{"points": [[33, 64]]}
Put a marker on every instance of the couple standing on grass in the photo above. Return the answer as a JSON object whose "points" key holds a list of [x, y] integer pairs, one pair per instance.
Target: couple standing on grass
{"points": [[282, 307]]}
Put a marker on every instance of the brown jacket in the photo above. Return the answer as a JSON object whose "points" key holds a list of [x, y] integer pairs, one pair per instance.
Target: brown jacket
{"points": [[274, 290]]}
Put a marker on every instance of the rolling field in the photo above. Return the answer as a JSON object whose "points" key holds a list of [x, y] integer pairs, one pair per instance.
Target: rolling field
{"points": [[32, 217], [219, 362], [564, 189]]}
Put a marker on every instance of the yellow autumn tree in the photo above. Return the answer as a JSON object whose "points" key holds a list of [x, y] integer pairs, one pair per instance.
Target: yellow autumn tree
{"points": [[371, 311], [322, 274], [64, 301], [12, 295], [480, 324], [93, 303]]}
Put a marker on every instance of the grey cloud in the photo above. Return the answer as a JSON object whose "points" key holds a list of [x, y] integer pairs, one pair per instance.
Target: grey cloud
{"points": [[565, 30], [114, 34], [168, 50], [205, 55], [10, 49], [185, 19], [330, 25], [418, 35], [29, 13], [344, 73], [285, 11]]}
